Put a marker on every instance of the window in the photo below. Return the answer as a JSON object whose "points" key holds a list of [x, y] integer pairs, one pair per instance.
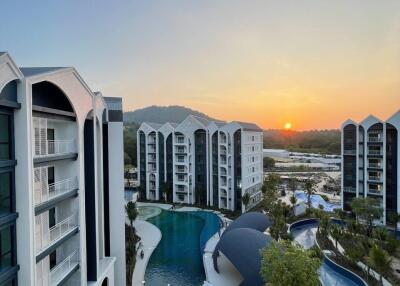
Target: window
{"points": [[181, 197], [5, 144], [6, 255], [5, 193]]}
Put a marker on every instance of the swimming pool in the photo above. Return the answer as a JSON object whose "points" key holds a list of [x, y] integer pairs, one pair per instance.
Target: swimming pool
{"points": [[330, 274], [177, 260]]}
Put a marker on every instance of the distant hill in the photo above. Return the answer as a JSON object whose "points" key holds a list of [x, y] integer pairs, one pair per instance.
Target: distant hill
{"points": [[161, 114]]}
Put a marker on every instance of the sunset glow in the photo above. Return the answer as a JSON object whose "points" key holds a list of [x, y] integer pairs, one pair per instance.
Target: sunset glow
{"points": [[288, 126], [316, 62]]}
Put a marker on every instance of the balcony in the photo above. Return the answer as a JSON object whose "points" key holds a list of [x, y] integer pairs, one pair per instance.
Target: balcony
{"points": [[374, 166], [180, 140], [180, 151], [54, 148], [52, 191], [151, 149], [349, 152], [55, 233], [375, 139], [64, 268], [375, 192], [349, 190], [377, 179], [374, 152]]}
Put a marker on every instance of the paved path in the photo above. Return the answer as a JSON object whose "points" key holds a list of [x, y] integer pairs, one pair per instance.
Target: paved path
{"points": [[150, 236]]}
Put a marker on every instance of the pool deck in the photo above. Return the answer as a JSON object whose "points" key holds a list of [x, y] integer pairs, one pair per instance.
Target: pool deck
{"points": [[228, 275], [150, 236]]}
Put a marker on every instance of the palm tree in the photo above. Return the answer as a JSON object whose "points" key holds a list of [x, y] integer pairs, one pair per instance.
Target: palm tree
{"points": [[292, 184], [131, 212], [336, 232], [246, 200], [380, 260], [310, 190]]}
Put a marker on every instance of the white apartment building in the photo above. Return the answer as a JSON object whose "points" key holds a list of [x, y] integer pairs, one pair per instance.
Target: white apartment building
{"points": [[370, 157], [62, 218], [200, 161]]}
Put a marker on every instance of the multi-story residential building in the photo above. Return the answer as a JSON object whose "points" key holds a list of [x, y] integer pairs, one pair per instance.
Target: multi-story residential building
{"points": [[200, 161], [370, 157], [60, 187]]}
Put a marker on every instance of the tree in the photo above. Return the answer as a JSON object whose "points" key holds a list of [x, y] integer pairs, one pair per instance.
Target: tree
{"points": [[356, 252], [336, 232], [379, 260], [292, 184], [278, 229], [367, 209], [269, 163], [324, 224], [270, 189], [284, 263], [380, 233], [246, 200], [310, 190], [293, 200], [131, 212]]}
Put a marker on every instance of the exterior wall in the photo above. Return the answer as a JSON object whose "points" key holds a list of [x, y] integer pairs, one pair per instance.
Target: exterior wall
{"points": [[375, 170], [203, 162], [35, 220]]}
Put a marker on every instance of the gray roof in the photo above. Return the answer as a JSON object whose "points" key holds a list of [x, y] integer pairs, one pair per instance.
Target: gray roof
{"points": [[2, 53], [242, 247], [253, 220], [248, 126], [39, 70], [174, 125], [113, 103], [202, 120], [154, 125]]}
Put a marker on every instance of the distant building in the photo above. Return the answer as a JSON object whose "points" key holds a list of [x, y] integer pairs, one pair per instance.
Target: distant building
{"points": [[276, 153], [370, 158], [201, 162], [61, 180]]}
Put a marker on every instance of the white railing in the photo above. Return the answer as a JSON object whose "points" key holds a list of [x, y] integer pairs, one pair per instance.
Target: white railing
{"points": [[375, 139], [180, 140], [349, 152], [374, 192], [374, 165], [56, 147], [61, 228], [374, 152], [55, 189], [64, 267], [349, 189], [375, 178]]}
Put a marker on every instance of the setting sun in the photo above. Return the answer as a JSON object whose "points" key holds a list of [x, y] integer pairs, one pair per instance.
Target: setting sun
{"points": [[288, 125]]}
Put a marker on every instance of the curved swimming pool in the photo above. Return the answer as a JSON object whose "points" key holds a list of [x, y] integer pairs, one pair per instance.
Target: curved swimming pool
{"points": [[330, 274], [177, 260]]}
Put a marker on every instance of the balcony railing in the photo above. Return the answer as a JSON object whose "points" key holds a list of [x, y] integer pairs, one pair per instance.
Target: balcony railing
{"points": [[180, 140], [349, 152], [375, 178], [180, 151], [349, 189], [374, 152], [62, 269], [54, 190], [375, 139], [374, 166], [374, 192], [55, 147]]}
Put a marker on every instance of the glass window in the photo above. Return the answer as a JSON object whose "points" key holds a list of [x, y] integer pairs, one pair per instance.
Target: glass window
{"points": [[5, 147], [6, 259], [5, 193]]}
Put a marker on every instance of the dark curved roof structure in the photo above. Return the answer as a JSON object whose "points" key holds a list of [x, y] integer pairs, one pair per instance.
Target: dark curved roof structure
{"points": [[242, 247], [253, 220]]}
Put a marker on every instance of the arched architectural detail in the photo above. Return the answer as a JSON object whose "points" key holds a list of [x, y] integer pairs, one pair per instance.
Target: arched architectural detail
{"points": [[49, 95]]}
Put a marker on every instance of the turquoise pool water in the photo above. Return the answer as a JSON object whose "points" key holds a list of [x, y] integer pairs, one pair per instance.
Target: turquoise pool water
{"points": [[177, 260], [329, 275]]}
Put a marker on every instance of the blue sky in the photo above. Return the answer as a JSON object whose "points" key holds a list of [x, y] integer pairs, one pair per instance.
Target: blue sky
{"points": [[269, 62]]}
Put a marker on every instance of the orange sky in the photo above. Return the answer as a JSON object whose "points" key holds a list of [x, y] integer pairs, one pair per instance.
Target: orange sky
{"points": [[313, 63]]}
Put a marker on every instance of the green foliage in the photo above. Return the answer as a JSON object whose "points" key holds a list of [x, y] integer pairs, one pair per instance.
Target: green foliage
{"points": [[356, 252], [270, 191], [246, 199], [287, 264], [130, 155], [292, 184], [380, 233], [310, 190], [336, 232], [380, 260], [322, 141], [293, 200], [367, 209], [131, 212], [268, 163], [325, 197]]}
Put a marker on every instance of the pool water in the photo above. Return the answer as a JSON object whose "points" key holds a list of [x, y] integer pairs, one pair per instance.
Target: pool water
{"points": [[305, 235], [177, 260]]}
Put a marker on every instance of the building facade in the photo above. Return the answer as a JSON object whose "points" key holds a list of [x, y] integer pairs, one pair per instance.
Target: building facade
{"points": [[60, 187], [199, 161], [370, 158]]}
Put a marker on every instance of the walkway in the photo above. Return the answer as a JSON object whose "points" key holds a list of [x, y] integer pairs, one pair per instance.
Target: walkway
{"points": [[228, 275], [150, 236]]}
